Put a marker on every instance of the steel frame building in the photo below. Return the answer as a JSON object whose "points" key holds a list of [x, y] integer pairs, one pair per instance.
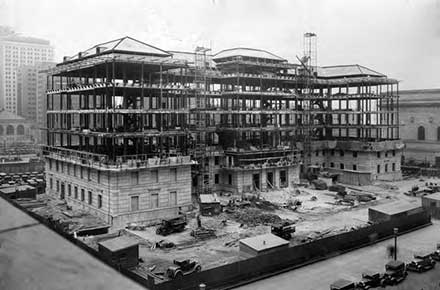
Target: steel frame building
{"points": [[132, 130]]}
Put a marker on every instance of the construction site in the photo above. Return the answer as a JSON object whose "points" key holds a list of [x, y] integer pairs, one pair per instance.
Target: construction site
{"points": [[189, 153]]}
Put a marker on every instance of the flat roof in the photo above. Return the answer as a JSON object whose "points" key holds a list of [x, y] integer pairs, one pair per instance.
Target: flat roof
{"points": [[15, 188], [396, 207], [435, 196], [264, 242], [209, 198], [66, 266], [119, 243]]}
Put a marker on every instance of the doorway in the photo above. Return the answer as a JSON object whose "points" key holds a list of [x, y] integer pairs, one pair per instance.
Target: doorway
{"points": [[269, 180], [256, 181]]}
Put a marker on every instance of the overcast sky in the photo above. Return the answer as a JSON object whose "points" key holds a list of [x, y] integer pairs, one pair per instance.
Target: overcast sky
{"points": [[400, 38]]}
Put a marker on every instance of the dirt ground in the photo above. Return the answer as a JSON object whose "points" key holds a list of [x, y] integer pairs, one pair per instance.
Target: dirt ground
{"points": [[315, 217]]}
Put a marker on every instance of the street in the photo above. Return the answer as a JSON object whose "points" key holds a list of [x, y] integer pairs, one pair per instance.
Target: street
{"points": [[350, 265]]}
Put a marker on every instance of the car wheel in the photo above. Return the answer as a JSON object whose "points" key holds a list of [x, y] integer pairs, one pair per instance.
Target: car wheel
{"points": [[198, 268], [178, 275]]}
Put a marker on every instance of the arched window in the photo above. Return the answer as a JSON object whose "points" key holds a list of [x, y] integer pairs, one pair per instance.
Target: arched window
{"points": [[9, 130], [20, 130], [438, 133], [1, 130], [421, 133]]}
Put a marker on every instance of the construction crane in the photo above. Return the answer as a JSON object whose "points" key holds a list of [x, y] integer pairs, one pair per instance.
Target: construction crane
{"points": [[309, 64], [201, 155]]}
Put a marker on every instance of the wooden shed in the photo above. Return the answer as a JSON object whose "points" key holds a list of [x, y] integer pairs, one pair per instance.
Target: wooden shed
{"points": [[393, 210], [210, 205], [261, 244], [431, 203], [121, 251], [19, 191]]}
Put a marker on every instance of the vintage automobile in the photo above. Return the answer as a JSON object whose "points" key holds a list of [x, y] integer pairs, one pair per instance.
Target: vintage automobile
{"points": [[421, 263], [395, 273], [370, 280], [183, 267], [343, 284]]}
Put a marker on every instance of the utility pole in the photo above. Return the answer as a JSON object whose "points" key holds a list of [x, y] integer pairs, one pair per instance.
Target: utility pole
{"points": [[396, 230]]}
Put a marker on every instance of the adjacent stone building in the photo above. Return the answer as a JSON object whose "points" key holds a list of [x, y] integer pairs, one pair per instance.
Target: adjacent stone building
{"points": [[420, 125]]}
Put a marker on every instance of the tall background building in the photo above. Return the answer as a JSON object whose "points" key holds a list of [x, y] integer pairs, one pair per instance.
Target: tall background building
{"points": [[31, 95], [16, 51]]}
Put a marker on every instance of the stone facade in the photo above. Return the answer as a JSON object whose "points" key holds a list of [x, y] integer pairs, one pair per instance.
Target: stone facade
{"points": [[123, 195], [420, 125]]}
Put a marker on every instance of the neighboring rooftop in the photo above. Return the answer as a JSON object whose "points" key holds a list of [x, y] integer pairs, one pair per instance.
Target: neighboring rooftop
{"points": [[247, 52], [264, 242], [397, 207], [5, 115], [435, 196], [119, 243], [35, 257]]}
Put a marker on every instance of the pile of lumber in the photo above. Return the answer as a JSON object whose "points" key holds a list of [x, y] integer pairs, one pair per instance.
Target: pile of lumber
{"points": [[203, 233]]}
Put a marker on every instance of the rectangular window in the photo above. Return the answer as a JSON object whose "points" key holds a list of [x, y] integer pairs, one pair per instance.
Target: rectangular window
{"points": [[341, 165], [355, 154], [283, 178], [216, 179], [229, 179], [50, 164], [88, 174], [98, 176], [69, 190], [51, 183], [134, 203], [173, 198], [332, 152], [90, 197], [386, 154], [378, 154], [341, 152], [173, 174], [386, 167], [75, 192], [354, 167], [57, 166], [68, 169], [83, 194], [378, 168], [82, 172], [394, 153], [317, 153], [393, 166], [99, 201], [74, 170], [62, 166], [58, 186], [135, 177], [332, 164], [216, 160], [154, 200], [154, 175]]}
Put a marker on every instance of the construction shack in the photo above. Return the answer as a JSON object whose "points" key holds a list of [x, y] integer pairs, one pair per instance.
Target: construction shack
{"points": [[393, 211], [431, 203], [121, 251], [262, 244], [210, 205], [19, 191]]}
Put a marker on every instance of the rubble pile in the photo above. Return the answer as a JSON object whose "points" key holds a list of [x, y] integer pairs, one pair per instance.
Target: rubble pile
{"points": [[253, 217]]}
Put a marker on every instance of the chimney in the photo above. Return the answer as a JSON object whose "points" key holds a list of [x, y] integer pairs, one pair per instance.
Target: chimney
{"points": [[79, 54], [65, 58], [99, 49]]}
